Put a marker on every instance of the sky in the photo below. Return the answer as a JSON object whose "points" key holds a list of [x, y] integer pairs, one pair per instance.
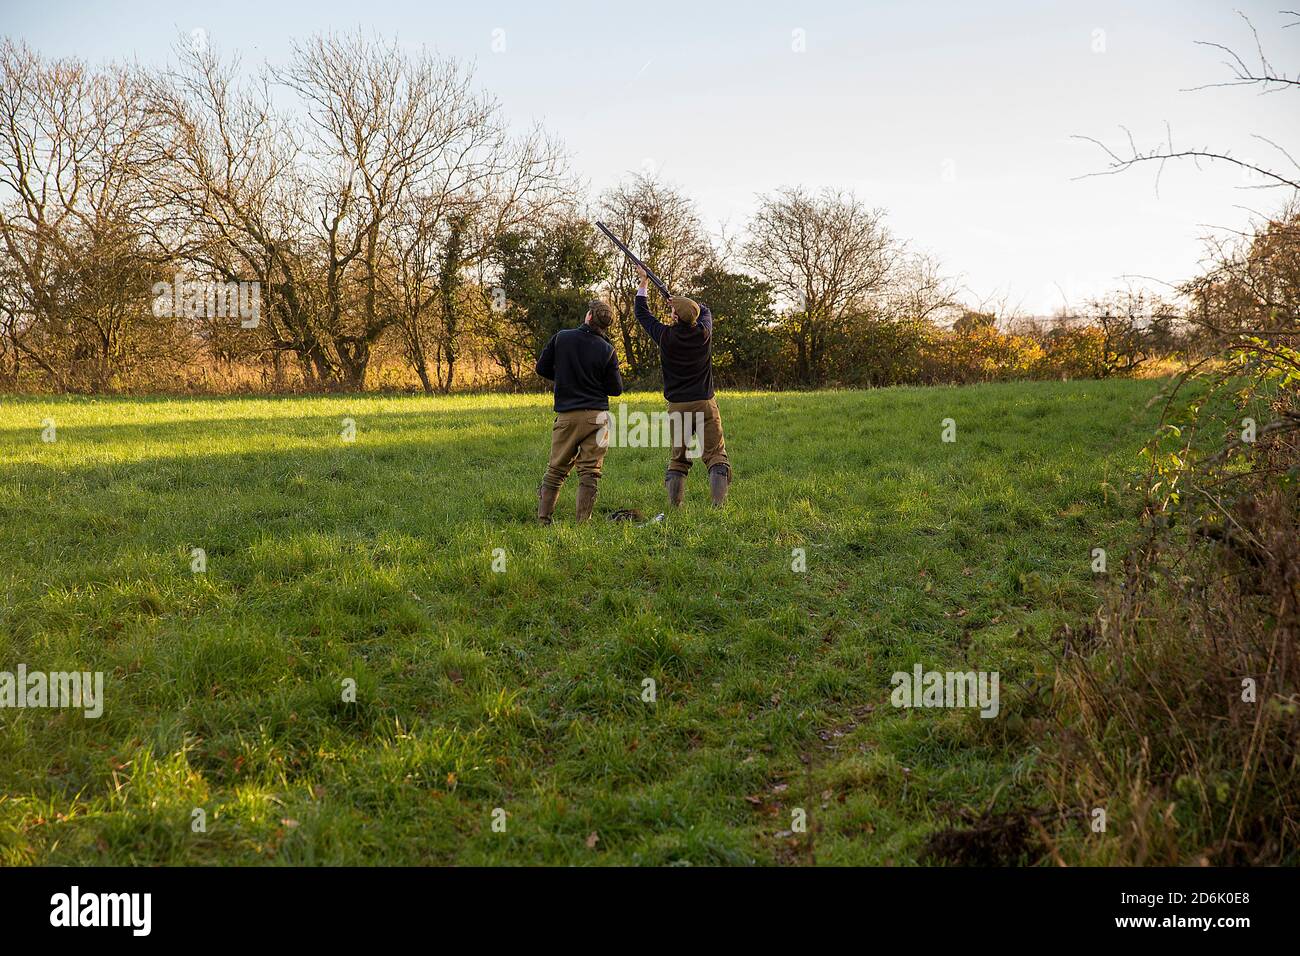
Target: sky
{"points": [[957, 118]]}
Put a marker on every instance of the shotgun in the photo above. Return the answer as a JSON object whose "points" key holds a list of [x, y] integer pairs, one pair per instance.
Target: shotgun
{"points": [[654, 279]]}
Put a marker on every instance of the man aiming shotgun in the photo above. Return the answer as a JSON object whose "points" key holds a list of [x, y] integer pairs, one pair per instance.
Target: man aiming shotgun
{"points": [[686, 354], [583, 366]]}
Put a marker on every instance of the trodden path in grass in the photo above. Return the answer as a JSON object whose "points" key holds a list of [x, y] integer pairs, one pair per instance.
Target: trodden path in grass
{"points": [[520, 695]]}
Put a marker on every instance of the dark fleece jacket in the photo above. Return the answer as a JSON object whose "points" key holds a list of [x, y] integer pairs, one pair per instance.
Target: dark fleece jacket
{"points": [[686, 352]]}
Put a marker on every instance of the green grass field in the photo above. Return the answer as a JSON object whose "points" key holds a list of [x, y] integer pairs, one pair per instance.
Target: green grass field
{"points": [[523, 690]]}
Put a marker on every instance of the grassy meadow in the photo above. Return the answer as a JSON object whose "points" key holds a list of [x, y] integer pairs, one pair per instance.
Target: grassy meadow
{"points": [[372, 562]]}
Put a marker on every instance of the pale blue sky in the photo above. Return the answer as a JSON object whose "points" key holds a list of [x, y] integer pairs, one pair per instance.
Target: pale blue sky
{"points": [[953, 116]]}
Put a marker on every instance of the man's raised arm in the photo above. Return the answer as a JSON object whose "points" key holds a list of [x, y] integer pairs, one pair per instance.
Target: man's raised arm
{"points": [[653, 327]]}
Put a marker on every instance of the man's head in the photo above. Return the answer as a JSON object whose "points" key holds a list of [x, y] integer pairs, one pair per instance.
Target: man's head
{"points": [[685, 310], [599, 316]]}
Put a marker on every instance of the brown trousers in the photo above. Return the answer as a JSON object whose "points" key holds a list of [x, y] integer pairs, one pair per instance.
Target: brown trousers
{"points": [[576, 438], [714, 445]]}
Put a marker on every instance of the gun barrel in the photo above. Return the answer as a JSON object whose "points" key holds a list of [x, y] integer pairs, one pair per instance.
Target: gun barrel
{"points": [[658, 283]]}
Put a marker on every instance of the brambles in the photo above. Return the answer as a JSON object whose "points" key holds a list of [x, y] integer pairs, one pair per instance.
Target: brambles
{"points": [[1183, 714]]}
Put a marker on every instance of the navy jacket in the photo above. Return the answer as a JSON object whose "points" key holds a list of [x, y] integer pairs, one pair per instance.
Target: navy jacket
{"points": [[686, 352], [584, 367]]}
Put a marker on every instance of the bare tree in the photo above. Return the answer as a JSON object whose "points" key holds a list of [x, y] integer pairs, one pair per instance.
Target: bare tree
{"points": [[921, 290], [234, 191], [831, 258], [74, 162], [1130, 322], [381, 126], [447, 236], [358, 215]]}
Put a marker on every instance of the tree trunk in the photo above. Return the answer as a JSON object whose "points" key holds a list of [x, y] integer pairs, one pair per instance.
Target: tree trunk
{"points": [[422, 370]]}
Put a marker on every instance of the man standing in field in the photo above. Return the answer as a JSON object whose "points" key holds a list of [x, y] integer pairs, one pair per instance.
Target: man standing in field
{"points": [[686, 353], [583, 366]]}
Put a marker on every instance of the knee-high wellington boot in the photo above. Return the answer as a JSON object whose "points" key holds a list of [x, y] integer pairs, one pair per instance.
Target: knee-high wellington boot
{"points": [[719, 482], [675, 484], [546, 498], [586, 501]]}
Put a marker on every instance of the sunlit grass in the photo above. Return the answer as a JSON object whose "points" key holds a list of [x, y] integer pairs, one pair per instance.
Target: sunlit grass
{"points": [[371, 562]]}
